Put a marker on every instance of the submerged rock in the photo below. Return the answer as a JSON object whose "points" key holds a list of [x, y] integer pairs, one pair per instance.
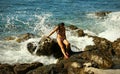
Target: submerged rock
{"points": [[102, 13], [24, 37], [10, 38], [20, 38]]}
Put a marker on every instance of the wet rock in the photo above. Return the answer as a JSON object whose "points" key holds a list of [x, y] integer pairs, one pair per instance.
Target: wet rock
{"points": [[20, 38], [49, 69], [72, 27], [77, 31], [47, 46], [6, 69], [102, 13], [24, 37], [31, 47], [80, 33], [116, 47], [90, 47], [10, 38], [103, 45], [24, 68], [101, 58]]}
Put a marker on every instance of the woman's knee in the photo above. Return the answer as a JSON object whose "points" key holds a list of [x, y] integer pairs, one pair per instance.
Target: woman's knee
{"points": [[67, 44]]}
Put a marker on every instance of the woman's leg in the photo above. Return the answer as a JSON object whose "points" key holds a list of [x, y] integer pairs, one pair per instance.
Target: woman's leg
{"points": [[60, 43], [67, 44]]}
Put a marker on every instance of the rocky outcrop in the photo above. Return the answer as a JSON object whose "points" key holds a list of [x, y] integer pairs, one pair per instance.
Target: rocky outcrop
{"points": [[47, 46], [102, 13], [6, 69], [101, 44], [100, 56], [24, 68], [77, 31], [116, 47], [20, 38], [24, 37]]}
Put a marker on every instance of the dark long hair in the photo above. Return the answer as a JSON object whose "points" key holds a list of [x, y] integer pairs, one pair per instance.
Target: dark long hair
{"points": [[60, 24]]}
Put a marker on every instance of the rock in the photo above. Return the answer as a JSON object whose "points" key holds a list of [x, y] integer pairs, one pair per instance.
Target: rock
{"points": [[47, 46], [116, 47], [49, 69], [75, 30], [24, 68], [102, 13], [90, 47], [24, 37], [101, 58], [31, 47], [10, 38], [6, 69], [91, 70], [20, 38], [72, 27], [80, 33], [102, 43]]}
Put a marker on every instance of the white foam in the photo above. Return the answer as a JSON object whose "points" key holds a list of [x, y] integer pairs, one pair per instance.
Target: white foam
{"points": [[41, 25], [112, 25], [21, 55], [80, 42]]}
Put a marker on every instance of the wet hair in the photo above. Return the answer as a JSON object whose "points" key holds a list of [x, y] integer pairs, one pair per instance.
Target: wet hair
{"points": [[61, 24]]}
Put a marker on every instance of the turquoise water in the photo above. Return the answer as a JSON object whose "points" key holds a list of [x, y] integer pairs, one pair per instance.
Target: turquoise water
{"points": [[21, 16]]}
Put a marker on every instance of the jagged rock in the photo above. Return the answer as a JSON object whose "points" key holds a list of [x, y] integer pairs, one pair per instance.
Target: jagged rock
{"points": [[76, 31], [10, 38], [24, 68], [116, 47], [102, 43], [90, 47], [100, 57], [80, 33], [69, 66], [24, 37], [49, 69], [102, 13], [6, 69], [31, 47], [72, 27], [47, 46], [20, 38]]}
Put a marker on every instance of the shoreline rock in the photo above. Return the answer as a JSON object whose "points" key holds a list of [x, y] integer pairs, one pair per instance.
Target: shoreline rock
{"points": [[103, 56]]}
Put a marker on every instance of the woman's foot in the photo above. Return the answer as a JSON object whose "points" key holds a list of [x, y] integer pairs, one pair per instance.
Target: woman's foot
{"points": [[66, 57]]}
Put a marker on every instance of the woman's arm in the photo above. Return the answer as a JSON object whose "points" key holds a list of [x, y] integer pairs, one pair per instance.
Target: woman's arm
{"points": [[55, 29]]}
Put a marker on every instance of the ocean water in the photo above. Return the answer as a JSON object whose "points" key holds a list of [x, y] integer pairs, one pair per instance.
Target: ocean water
{"points": [[40, 16]]}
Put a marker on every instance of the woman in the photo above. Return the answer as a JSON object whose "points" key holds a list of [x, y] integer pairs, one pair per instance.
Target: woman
{"points": [[61, 38]]}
